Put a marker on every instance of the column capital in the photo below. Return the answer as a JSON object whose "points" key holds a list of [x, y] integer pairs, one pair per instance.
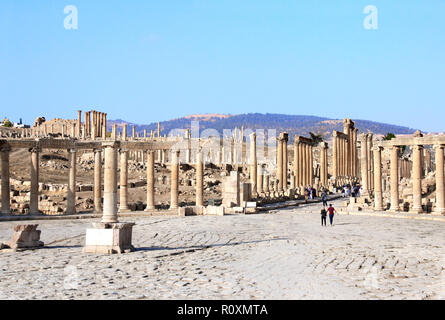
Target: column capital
{"points": [[438, 146], [110, 144], [96, 150]]}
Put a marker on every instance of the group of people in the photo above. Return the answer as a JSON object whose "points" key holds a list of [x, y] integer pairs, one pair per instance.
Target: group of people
{"points": [[350, 191], [324, 212], [309, 193]]}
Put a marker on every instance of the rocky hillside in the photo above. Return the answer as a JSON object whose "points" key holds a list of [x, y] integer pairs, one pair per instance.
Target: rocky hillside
{"points": [[293, 124]]}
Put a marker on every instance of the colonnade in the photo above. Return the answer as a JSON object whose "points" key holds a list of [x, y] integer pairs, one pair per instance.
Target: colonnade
{"points": [[303, 162], [416, 144]]}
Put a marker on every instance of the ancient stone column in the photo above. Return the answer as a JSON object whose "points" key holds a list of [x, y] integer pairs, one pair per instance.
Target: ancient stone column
{"points": [[370, 161], [323, 165], [308, 165], [110, 184], [416, 179], [34, 195], [260, 178], [440, 190], [150, 181], [296, 161], [97, 180], [124, 132], [266, 183], [6, 201], [174, 180], [71, 194], [311, 163], [253, 163], [394, 179], [304, 165], [285, 160], [364, 163], [280, 165], [199, 180], [300, 164], [334, 155], [159, 129], [378, 194], [79, 122], [123, 199]]}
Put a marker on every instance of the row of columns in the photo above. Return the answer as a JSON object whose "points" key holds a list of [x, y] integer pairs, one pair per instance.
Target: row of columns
{"points": [[416, 175], [303, 162]]}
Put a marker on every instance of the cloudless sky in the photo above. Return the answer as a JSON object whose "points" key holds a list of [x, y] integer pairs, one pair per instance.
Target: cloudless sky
{"points": [[152, 60]]}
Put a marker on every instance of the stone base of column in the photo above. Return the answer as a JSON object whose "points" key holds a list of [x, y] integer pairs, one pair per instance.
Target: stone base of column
{"points": [[124, 209], [438, 211], [149, 208], [394, 210], [109, 238], [379, 208], [415, 210]]}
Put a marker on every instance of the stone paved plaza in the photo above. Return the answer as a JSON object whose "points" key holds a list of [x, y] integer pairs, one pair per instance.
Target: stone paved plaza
{"points": [[284, 254]]}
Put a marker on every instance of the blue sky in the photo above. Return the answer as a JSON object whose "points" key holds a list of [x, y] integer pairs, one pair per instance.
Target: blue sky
{"points": [[146, 61]]}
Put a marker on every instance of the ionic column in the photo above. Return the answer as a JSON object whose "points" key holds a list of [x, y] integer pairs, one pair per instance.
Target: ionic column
{"points": [[71, 193], [417, 180], [6, 204], [79, 122], [307, 164], [260, 188], [440, 190], [323, 167], [311, 163], [364, 163], [334, 155], [304, 164], [285, 162], [199, 180], [394, 179], [174, 180], [266, 183], [253, 163], [150, 180], [280, 165], [378, 194], [123, 199], [97, 180], [296, 162], [110, 185], [301, 159], [124, 132], [34, 194], [370, 161]]}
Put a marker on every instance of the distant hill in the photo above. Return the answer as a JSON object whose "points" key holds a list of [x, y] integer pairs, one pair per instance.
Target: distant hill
{"points": [[293, 124]]}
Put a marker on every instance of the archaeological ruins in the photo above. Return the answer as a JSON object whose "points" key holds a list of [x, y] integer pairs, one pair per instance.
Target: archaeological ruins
{"points": [[249, 170]]}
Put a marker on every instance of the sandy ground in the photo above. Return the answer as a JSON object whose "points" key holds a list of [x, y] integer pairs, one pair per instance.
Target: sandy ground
{"points": [[285, 254]]}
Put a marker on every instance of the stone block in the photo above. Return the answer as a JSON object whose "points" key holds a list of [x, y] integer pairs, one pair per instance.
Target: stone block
{"points": [[109, 238], [25, 236], [214, 210]]}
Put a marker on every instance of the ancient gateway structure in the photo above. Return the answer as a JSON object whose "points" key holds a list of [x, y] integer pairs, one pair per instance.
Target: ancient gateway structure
{"points": [[277, 177]]}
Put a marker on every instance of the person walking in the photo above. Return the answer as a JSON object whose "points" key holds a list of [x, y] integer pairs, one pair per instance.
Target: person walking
{"points": [[324, 198], [323, 216], [331, 211]]}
